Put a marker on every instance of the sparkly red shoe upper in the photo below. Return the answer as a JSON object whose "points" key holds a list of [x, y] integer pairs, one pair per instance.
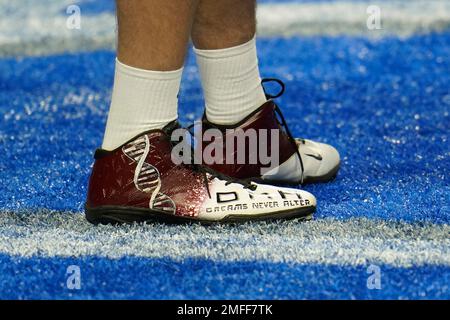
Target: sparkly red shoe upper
{"points": [[263, 118], [141, 174]]}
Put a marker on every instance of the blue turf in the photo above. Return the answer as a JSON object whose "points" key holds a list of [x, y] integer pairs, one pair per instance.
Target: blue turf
{"points": [[138, 278], [94, 7], [385, 105]]}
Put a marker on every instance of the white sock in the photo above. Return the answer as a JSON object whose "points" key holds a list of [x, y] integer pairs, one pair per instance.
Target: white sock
{"points": [[141, 100], [231, 82]]}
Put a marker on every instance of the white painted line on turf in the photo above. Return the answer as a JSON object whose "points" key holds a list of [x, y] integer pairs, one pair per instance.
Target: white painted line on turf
{"points": [[30, 27], [327, 241], [402, 18]]}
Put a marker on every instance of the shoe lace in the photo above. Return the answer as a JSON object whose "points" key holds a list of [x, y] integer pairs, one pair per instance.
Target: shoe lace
{"points": [[205, 171], [283, 120]]}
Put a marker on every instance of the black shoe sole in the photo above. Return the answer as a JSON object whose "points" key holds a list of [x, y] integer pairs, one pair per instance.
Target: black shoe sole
{"points": [[127, 215]]}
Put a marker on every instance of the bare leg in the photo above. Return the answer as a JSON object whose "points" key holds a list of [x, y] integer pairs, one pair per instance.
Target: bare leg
{"points": [[153, 34], [223, 23]]}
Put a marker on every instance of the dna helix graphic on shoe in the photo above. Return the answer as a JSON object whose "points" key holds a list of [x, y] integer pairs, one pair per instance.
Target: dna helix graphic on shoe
{"points": [[146, 177]]}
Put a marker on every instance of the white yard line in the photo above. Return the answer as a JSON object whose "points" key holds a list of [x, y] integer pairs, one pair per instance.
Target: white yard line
{"points": [[327, 241]]}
